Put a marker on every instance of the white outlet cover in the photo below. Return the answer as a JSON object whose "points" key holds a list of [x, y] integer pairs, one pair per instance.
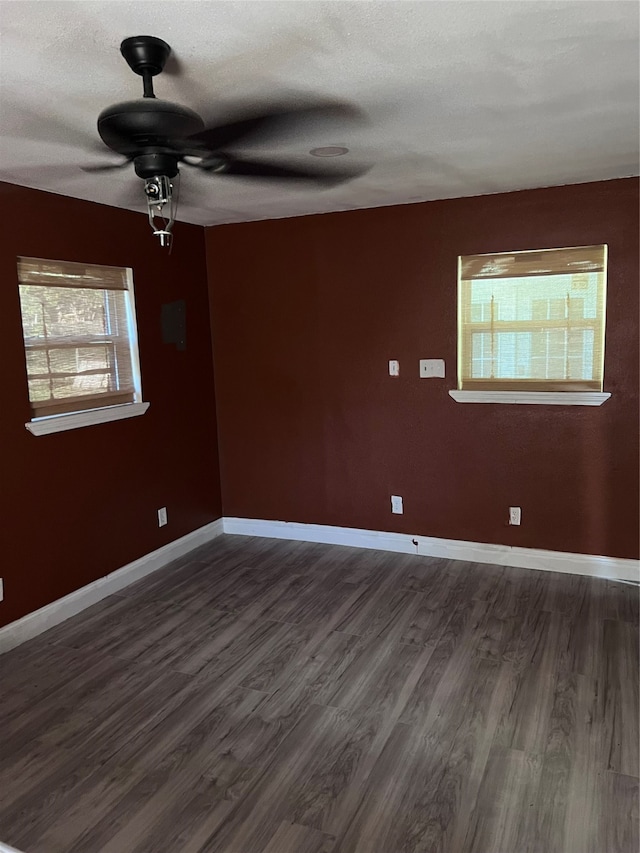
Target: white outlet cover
{"points": [[162, 516], [396, 505], [432, 368], [394, 368], [515, 515]]}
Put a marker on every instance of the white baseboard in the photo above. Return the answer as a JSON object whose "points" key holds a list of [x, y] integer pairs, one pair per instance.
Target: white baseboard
{"points": [[52, 614], [35, 623], [614, 568]]}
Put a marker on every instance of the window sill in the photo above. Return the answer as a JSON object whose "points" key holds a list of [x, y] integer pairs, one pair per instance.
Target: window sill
{"points": [[540, 398], [75, 420]]}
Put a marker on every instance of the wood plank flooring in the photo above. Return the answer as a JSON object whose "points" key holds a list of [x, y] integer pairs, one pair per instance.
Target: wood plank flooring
{"points": [[263, 696]]}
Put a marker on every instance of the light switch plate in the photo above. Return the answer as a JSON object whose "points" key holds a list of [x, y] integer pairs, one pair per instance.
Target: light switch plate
{"points": [[431, 367], [394, 368]]}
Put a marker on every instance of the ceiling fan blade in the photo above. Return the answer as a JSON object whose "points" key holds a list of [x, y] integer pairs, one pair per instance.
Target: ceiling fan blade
{"points": [[106, 167], [273, 171], [275, 121], [215, 138]]}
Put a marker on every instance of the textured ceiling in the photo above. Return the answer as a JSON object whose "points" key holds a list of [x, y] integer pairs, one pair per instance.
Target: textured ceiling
{"points": [[462, 98]]}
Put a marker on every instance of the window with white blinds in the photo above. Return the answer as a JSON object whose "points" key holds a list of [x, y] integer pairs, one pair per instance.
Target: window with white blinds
{"points": [[80, 340], [532, 320]]}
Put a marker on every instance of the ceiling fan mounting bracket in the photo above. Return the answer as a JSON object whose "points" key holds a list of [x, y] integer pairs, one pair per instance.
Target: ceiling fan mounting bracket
{"points": [[145, 54]]}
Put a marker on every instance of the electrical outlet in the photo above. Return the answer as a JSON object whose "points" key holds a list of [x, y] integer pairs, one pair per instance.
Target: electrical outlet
{"points": [[162, 516], [1, 589], [515, 515], [394, 368], [396, 504]]}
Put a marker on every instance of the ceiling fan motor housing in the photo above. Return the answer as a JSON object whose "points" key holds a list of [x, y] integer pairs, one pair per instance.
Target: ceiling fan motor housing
{"points": [[133, 126]]}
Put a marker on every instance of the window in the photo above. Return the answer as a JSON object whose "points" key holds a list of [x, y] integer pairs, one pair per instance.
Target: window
{"points": [[532, 322], [80, 342]]}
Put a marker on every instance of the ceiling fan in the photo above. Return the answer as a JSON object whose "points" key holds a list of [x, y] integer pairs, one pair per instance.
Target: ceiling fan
{"points": [[157, 136]]}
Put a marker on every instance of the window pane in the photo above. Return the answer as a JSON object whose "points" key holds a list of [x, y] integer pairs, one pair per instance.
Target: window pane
{"points": [[39, 390], [37, 362], [79, 359], [58, 311], [513, 354], [76, 386]]}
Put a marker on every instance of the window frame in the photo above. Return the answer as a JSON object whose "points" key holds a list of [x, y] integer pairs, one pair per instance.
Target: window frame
{"points": [[522, 391], [101, 408]]}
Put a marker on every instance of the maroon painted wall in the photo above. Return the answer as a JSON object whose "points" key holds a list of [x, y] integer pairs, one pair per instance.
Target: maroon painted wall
{"points": [[77, 505], [306, 312]]}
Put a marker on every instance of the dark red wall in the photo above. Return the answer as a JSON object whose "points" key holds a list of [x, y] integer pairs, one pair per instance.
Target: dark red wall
{"points": [[77, 505], [306, 313]]}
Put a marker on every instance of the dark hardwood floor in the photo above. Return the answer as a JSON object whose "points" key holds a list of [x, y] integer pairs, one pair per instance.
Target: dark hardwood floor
{"points": [[263, 696]]}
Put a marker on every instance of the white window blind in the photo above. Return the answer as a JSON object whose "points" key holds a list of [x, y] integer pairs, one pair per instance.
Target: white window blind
{"points": [[532, 320], [79, 335]]}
